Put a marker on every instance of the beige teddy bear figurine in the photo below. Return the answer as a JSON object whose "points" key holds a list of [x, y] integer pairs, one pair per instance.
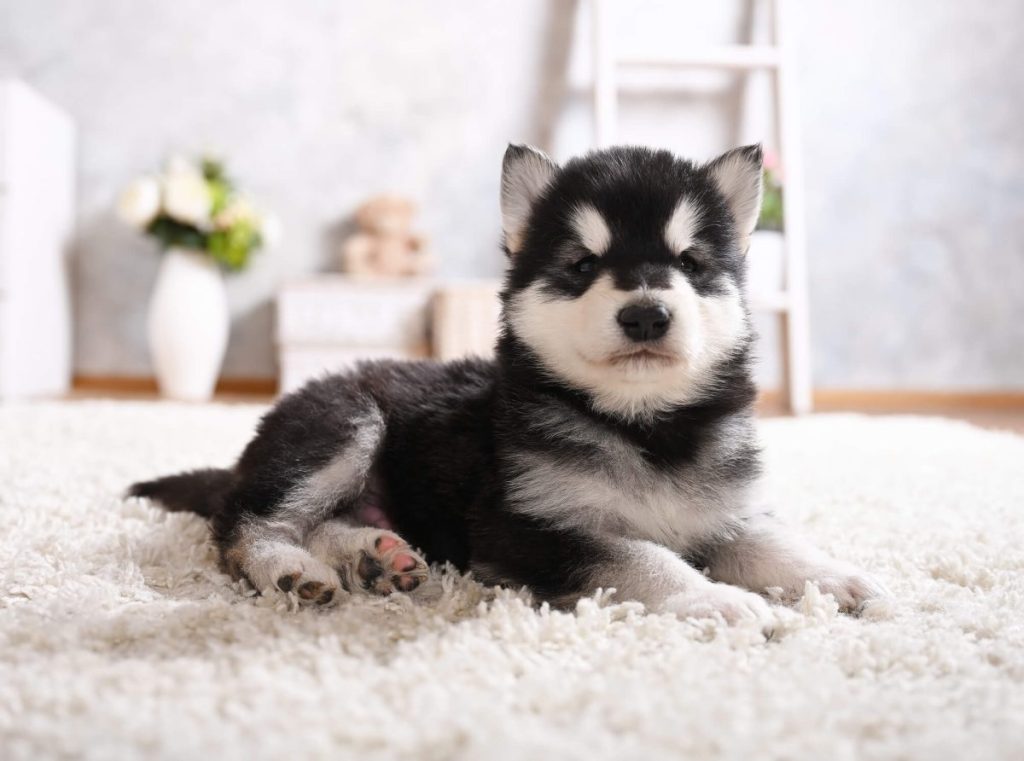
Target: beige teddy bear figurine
{"points": [[384, 245]]}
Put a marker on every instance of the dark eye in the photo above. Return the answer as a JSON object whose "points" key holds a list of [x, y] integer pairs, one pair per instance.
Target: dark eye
{"points": [[586, 264], [688, 264]]}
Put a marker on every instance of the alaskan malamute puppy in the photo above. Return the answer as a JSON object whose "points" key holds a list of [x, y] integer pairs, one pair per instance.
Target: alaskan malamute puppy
{"points": [[610, 444]]}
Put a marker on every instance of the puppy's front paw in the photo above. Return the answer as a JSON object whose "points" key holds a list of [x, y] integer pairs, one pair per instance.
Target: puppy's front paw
{"points": [[850, 586], [731, 603]]}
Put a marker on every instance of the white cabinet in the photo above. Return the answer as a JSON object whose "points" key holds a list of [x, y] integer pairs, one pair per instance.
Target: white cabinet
{"points": [[36, 218], [329, 322]]}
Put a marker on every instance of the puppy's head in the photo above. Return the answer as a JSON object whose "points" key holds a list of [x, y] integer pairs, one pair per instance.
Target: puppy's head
{"points": [[626, 270]]}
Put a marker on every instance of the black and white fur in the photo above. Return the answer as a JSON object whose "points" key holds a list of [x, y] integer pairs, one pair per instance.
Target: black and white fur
{"points": [[610, 444]]}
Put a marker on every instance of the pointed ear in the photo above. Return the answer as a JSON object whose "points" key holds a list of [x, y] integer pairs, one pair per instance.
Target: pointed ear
{"points": [[737, 174], [525, 173]]}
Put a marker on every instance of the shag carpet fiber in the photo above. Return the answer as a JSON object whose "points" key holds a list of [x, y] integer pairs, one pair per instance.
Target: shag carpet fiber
{"points": [[120, 639]]}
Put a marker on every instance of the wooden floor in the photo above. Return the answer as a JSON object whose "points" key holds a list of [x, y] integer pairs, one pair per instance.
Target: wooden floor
{"points": [[1004, 419]]}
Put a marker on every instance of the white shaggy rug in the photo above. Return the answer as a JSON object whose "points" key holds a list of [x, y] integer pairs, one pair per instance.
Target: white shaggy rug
{"points": [[119, 638]]}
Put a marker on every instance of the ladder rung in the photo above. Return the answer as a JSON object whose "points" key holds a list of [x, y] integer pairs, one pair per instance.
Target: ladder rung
{"points": [[722, 57]]}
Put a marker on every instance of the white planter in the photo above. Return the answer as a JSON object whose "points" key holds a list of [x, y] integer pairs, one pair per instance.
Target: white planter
{"points": [[188, 325]]}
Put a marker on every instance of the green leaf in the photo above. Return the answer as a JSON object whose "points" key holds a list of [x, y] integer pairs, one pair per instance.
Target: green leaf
{"points": [[170, 232], [213, 170], [233, 246], [771, 203]]}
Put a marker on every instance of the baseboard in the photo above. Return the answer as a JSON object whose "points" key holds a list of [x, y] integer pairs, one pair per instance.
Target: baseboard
{"points": [[829, 399], [832, 399], [146, 385]]}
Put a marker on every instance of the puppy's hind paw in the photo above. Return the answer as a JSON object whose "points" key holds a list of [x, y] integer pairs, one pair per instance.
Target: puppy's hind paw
{"points": [[370, 560], [389, 565], [294, 570]]}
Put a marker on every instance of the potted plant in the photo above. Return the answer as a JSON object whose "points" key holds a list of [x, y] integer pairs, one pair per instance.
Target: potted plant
{"points": [[765, 258], [205, 228]]}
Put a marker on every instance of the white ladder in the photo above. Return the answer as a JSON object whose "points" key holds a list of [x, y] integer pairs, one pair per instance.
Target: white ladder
{"points": [[791, 302]]}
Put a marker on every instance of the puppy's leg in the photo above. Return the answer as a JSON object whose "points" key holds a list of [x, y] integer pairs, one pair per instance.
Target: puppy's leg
{"points": [[767, 555], [369, 560], [562, 565], [305, 484], [663, 582]]}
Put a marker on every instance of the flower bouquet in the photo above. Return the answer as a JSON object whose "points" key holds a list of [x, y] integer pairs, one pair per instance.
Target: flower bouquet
{"points": [[206, 227], [197, 207]]}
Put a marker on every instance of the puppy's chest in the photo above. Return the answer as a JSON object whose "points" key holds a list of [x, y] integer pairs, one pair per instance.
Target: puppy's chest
{"points": [[614, 490]]}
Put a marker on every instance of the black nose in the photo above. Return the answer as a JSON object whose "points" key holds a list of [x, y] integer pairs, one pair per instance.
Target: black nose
{"points": [[644, 322]]}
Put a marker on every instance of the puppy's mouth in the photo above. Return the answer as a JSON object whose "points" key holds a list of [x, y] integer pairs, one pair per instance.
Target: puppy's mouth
{"points": [[642, 356]]}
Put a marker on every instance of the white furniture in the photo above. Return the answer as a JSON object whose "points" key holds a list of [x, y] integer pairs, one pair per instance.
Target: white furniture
{"points": [[789, 302], [36, 218], [329, 322], [466, 319]]}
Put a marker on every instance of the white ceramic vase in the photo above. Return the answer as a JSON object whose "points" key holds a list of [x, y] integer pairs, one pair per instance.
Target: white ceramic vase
{"points": [[188, 325]]}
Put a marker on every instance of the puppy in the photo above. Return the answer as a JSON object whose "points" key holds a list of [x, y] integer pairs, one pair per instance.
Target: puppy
{"points": [[610, 444]]}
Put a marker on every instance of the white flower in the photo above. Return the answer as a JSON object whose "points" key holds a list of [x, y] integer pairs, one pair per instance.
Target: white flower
{"points": [[139, 203], [187, 196], [271, 230]]}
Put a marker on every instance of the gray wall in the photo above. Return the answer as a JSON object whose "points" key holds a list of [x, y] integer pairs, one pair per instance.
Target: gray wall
{"points": [[911, 118], [915, 178]]}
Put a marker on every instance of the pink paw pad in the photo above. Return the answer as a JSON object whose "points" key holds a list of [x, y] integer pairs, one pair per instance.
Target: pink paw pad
{"points": [[403, 563]]}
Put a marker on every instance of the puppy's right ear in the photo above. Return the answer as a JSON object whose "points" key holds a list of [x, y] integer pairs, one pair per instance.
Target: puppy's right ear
{"points": [[738, 173], [525, 173]]}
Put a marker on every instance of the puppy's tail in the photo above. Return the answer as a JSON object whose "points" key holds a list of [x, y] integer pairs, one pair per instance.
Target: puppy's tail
{"points": [[198, 491]]}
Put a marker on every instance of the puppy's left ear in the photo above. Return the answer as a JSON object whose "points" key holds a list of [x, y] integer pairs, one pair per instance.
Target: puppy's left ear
{"points": [[525, 173], [737, 174]]}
